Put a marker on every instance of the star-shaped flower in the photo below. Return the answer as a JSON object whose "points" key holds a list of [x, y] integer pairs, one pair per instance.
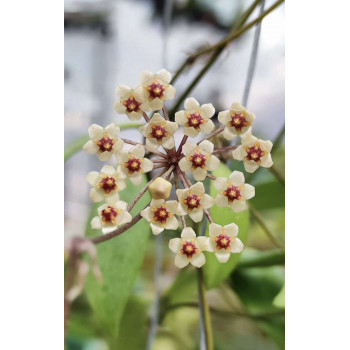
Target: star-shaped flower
{"points": [[159, 132], [189, 248], [237, 121], [253, 152], [131, 102], [198, 159], [104, 141], [110, 216], [161, 215], [193, 200], [106, 184], [233, 192], [196, 118], [133, 164], [223, 241], [157, 88]]}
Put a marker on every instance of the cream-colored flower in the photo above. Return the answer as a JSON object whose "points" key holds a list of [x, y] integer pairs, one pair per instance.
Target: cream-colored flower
{"points": [[223, 241], [161, 215], [237, 121], [131, 102], [106, 184], [189, 248], [233, 192], [193, 200], [110, 216], [196, 118], [157, 88], [133, 164], [198, 159], [159, 132], [104, 141], [253, 152]]}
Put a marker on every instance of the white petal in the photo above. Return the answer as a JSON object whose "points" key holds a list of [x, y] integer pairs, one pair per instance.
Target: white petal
{"points": [[96, 223], [239, 153], [221, 201], [156, 230], [228, 134], [157, 118], [231, 229], [181, 210], [174, 244], [172, 224], [113, 130], [147, 165], [180, 117], [185, 165], [196, 216], [238, 206], [118, 145], [144, 129], [248, 139], [199, 174], [111, 199], [266, 161], [157, 202], [171, 206], [156, 104], [95, 196], [197, 188], [145, 77], [212, 163], [214, 229], [108, 169], [123, 92], [220, 183], [138, 151], [188, 233], [237, 178], [207, 201], [168, 142], [222, 256], [95, 131], [236, 246], [169, 93], [164, 75], [181, 261], [152, 144], [126, 218], [136, 179], [207, 146], [248, 191], [266, 145], [250, 167], [147, 213], [207, 127], [92, 177], [171, 127], [119, 108], [90, 147], [181, 193], [134, 115], [203, 243], [191, 104], [207, 110], [211, 246], [189, 148], [198, 260], [224, 117], [104, 156], [191, 131]]}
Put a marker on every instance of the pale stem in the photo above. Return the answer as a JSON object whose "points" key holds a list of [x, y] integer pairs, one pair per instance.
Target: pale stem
{"points": [[166, 116], [168, 173], [130, 142], [214, 133], [277, 174], [210, 176], [160, 165], [224, 149], [183, 141], [177, 185], [145, 116], [160, 160]]}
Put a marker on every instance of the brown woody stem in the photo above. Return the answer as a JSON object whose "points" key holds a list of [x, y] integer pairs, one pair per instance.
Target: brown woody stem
{"points": [[214, 133], [224, 149], [210, 176]]}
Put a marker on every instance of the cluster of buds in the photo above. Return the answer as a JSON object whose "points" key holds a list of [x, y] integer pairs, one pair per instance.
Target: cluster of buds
{"points": [[175, 164]]}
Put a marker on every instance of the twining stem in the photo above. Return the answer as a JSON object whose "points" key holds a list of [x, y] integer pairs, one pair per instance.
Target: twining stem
{"points": [[214, 133], [205, 313], [261, 222], [145, 116], [224, 149], [145, 189]]}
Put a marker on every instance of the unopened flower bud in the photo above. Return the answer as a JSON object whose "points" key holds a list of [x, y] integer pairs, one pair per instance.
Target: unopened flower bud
{"points": [[160, 188]]}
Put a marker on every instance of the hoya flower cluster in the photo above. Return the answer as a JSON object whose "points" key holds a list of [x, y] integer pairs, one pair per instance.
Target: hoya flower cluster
{"points": [[176, 166]]}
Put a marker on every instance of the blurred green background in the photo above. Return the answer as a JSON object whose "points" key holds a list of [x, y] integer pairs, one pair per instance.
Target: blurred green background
{"points": [[246, 295]]}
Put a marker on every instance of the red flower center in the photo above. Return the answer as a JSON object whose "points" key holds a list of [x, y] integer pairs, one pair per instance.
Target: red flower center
{"points": [[232, 193], [161, 214], [192, 201], [132, 105], [223, 241], [239, 121], [198, 160], [108, 184], [109, 214], [158, 132], [156, 90], [133, 164], [195, 120], [254, 153], [188, 249], [105, 144]]}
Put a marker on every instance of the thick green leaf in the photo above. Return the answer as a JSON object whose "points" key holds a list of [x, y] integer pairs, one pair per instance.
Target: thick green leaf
{"points": [[120, 260], [279, 300], [77, 145], [256, 258], [269, 195], [214, 272]]}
